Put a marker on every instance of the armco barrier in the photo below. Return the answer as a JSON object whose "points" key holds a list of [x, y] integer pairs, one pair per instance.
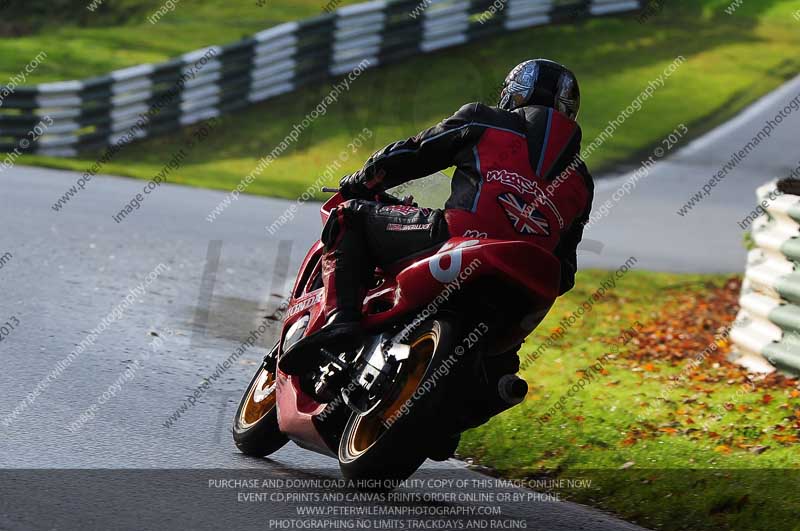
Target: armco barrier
{"points": [[121, 106], [767, 333]]}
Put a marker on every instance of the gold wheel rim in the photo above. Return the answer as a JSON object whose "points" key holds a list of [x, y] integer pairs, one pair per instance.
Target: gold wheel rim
{"points": [[369, 428], [260, 399]]}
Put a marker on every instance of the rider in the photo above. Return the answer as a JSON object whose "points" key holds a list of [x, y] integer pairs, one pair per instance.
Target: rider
{"points": [[518, 176]]}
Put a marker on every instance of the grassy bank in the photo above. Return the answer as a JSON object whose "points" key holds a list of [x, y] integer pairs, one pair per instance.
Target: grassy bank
{"points": [[665, 443], [80, 43], [730, 61]]}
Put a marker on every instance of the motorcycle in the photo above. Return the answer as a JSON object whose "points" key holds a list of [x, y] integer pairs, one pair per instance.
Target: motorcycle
{"points": [[432, 324]]}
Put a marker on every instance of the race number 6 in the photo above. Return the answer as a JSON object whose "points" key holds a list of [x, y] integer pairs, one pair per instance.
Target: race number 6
{"points": [[445, 276]]}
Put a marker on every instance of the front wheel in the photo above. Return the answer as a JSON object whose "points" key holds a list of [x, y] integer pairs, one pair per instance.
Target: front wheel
{"points": [[389, 443], [255, 428]]}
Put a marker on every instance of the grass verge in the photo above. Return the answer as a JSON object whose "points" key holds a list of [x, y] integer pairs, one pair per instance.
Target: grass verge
{"points": [[80, 43], [666, 443]]}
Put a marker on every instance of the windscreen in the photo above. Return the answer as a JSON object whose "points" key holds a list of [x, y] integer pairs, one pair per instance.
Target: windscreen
{"points": [[428, 192]]}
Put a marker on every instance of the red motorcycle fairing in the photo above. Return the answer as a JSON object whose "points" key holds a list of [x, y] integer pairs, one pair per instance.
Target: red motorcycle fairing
{"points": [[328, 206], [461, 262], [403, 291], [296, 409]]}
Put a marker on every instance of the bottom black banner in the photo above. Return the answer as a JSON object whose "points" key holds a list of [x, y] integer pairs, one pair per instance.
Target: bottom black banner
{"points": [[288, 499]]}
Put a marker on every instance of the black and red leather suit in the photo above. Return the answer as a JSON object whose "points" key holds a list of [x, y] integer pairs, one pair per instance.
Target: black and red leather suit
{"points": [[504, 162]]}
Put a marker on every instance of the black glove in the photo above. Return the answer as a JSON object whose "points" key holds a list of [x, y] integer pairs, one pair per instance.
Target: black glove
{"points": [[351, 187]]}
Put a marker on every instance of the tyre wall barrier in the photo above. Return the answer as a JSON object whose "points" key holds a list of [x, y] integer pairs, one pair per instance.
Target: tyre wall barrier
{"points": [[766, 333], [151, 99]]}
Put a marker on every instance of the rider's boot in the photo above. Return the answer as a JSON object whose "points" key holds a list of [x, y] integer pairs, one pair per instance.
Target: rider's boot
{"points": [[341, 332]]}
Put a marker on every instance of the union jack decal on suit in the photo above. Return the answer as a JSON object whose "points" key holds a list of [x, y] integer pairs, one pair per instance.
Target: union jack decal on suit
{"points": [[525, 218]]}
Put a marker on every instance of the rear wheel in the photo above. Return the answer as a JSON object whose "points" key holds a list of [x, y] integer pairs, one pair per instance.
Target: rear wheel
{"points": [[255, 428], [385, 444]]}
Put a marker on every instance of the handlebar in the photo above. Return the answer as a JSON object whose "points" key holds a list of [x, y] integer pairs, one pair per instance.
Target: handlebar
{"points": [[382, 197]]}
